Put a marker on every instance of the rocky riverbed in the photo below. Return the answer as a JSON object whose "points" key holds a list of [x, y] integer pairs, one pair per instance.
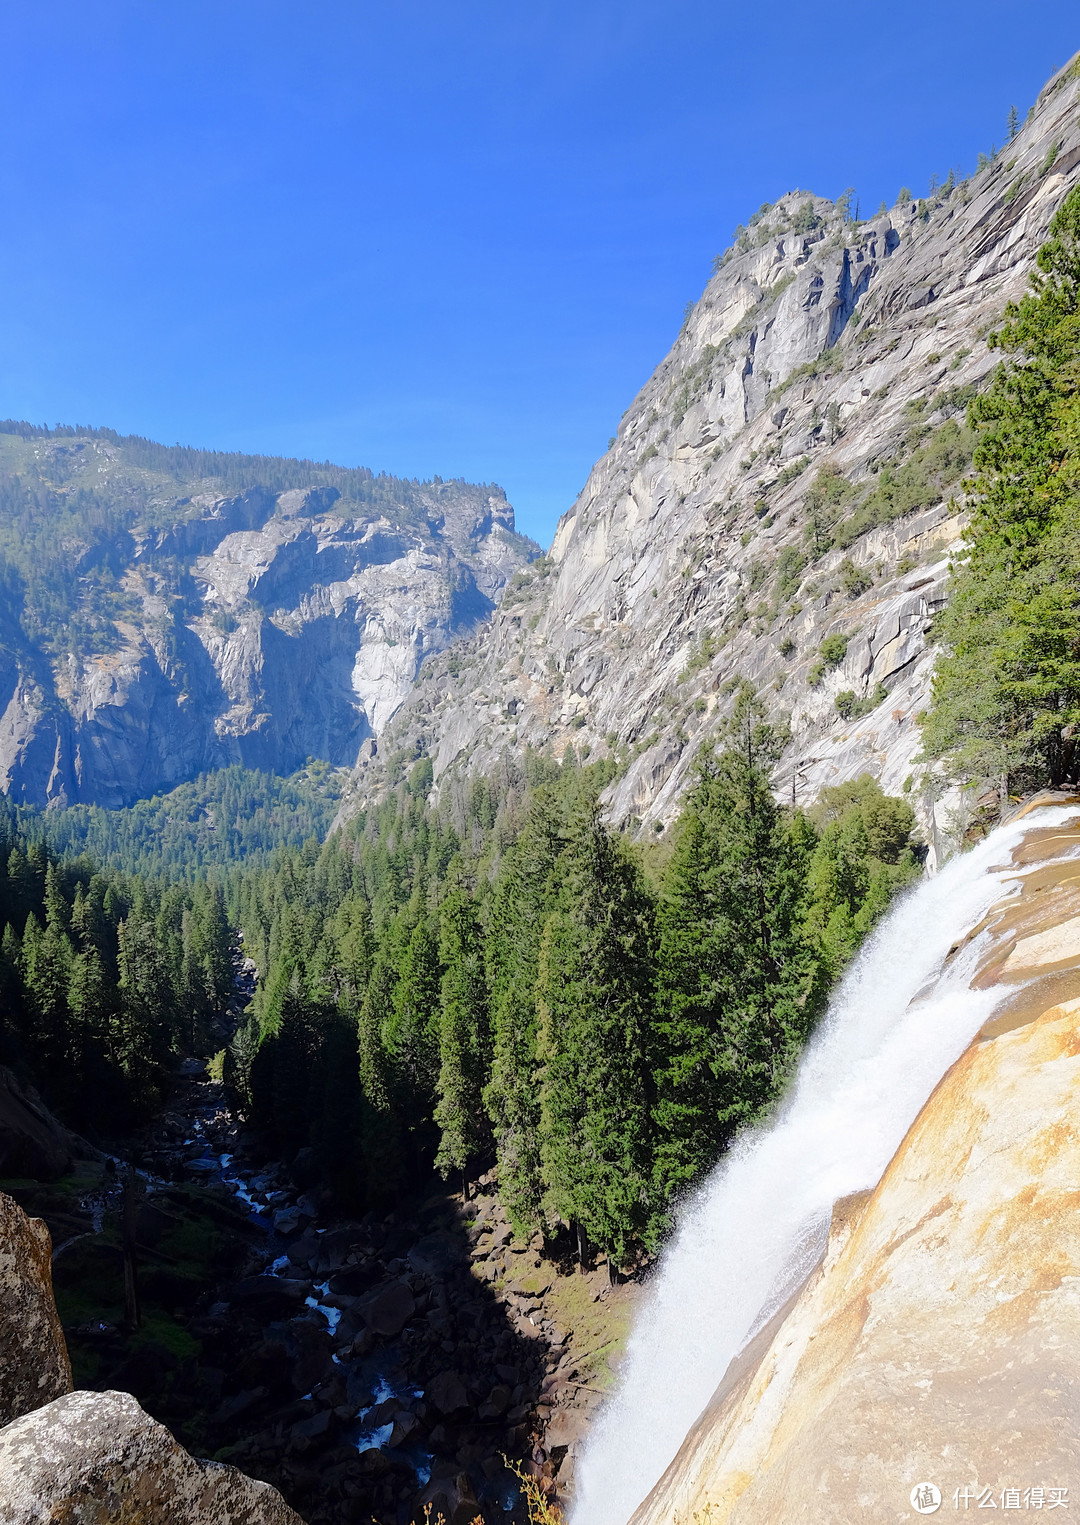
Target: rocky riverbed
{"points": [[366, 1367]]}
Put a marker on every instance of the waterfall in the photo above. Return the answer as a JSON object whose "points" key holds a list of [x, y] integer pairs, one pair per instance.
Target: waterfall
{"points": [[755, 1228]]}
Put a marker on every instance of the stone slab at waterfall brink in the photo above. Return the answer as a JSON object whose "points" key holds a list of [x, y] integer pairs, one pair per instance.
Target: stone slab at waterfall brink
{"points": [[755, 1229]]}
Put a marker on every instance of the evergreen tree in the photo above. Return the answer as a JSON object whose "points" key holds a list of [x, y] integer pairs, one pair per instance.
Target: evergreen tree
{"points": [[523, 897], [1006, 697], [375, 1014], [45, 964], [463, 1036], [595, 988], [735, 975], [412, 1033]]}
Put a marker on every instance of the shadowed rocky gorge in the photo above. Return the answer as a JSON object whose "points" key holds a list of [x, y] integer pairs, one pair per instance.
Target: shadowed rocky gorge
{"points": [[381, 1364]]}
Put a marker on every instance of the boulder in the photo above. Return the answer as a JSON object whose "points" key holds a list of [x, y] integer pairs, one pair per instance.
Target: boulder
{"points": [[447, 1392], [270, 1292], [98, 1458], [313, 1428], [373, 1462], [32, 1142], [405, 1426], [388, 1309], [287, 1221], [332, 1249], [498, 1401], [34, 1366], [355, 1280], [434, 1254], [452, 1498]]}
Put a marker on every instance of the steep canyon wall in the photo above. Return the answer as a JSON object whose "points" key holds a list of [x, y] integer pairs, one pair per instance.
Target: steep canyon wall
{"points": [[791, 472]]}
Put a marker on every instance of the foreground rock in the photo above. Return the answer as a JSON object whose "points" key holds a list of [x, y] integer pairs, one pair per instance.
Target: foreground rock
{"points": [[34, 1366], [91, 1457], [939, 1341], [97, 1457]]}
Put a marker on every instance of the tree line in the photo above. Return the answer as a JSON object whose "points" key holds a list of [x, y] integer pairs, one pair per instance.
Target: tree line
{"points": [[1006, 698], [104, 980]]}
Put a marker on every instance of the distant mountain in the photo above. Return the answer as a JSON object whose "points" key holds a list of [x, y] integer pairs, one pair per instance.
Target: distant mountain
{"points": [[779, 505], [168, 611]]}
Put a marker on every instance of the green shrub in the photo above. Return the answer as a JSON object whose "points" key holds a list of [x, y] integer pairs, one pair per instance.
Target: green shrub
{"points": [[854, 580], [831, 653], [850, 707]]}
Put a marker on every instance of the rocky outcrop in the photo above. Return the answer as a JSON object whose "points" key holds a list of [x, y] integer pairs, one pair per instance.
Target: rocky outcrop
{"points": [[258, 627], [87, 1456], [938, 1343], [34, 1366], [97, 1456], [823, 356], [32, 1142]]}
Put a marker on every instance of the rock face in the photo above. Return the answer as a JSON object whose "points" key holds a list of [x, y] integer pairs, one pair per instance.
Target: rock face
{"points": [[97, 1457], [32, 1142], [257, 626], [939, 1340], [823, 356], [34, 1366], [87, 1456]]}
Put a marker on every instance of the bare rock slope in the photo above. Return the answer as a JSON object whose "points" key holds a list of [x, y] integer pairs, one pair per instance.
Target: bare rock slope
{"points": [[791, 472]]}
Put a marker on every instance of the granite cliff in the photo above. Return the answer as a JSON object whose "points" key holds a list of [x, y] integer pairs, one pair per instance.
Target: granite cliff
{"points": [[165, 612], [779, 503]]}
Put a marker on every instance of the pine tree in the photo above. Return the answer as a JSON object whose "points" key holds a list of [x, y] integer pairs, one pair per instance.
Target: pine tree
{"points": [[1006, 697], [463, 1036], [523, 898], [381, 1143], [412, 1032], [45, 963], [595, 987], [736, 976], [375, 1013]]}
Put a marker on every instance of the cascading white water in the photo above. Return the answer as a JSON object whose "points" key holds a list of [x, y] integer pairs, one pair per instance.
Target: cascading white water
{"points": [[755, 1228]]}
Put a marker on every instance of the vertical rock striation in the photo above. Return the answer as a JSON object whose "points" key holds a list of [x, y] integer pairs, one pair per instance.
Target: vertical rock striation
{"points": [[791, 471], [178, 628]]}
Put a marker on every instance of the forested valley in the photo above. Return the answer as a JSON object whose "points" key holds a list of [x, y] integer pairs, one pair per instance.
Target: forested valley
{"points": [[501, 979]]}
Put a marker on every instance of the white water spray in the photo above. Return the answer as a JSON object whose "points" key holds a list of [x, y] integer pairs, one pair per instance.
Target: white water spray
{"points": [[753, 1231]]}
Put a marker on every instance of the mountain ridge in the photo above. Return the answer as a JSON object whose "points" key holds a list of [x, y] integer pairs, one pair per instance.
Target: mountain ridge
{"points": [[778, 506], [157, 623]]}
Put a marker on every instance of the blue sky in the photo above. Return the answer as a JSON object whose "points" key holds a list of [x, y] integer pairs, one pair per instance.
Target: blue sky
{"points": [[436, 238]]}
